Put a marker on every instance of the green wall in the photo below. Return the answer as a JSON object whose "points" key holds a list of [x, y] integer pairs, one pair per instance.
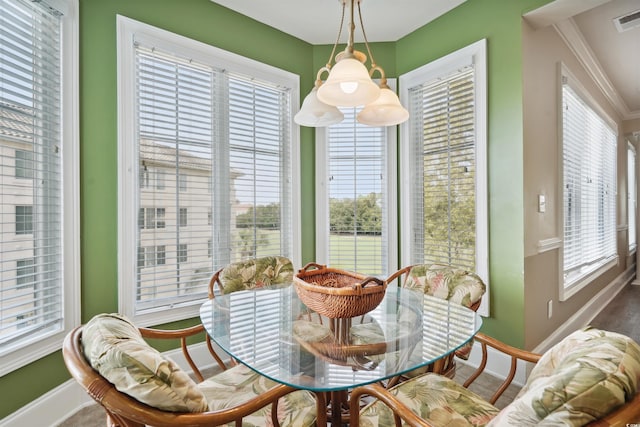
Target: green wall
{"points": [[202, 20], [497, 20]]}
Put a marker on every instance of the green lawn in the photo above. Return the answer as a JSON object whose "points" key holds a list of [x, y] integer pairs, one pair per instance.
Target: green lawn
{"points": [[368, 256], [369, 260]]}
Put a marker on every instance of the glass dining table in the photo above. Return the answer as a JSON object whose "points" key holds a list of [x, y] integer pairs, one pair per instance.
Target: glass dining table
{"points": [[272, 332]]}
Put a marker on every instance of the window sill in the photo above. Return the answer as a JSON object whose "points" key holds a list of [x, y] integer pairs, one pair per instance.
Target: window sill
{"points": [[579, 283]]}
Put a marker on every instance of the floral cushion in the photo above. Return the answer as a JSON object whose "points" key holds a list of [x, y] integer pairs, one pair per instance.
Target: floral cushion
{"points": [[443, 281], [581, 379], [115, 348], [240, 384], [255, 273], [436, 399]]}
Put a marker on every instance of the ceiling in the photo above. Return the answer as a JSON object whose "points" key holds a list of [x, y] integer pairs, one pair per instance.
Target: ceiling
{"points": [[613, 56], [318, 21]]}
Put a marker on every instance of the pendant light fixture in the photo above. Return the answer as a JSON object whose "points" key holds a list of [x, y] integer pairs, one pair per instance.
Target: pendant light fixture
{"points": [[349, 84]]}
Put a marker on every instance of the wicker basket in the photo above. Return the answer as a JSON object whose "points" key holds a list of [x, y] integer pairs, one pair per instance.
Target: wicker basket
{"points": [[338, 293]]}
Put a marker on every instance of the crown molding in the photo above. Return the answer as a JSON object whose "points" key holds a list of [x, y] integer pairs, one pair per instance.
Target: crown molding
{"points": [[574, 39]]}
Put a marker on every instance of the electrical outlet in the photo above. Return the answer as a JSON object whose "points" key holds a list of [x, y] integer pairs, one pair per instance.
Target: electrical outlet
{"points": [[549, 309]]}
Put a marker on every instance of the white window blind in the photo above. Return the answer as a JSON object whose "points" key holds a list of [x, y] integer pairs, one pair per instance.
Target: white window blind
{"points": [[589, 194], [357, 187], [31, 280], [443, 202], [258, 181], [444, 163], [214, 160], [175, 113], [632, 188]]}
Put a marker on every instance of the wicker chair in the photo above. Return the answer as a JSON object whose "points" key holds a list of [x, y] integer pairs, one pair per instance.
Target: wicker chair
{"points": [[252, 273], [448, 283], [228, 397], [590, 378]]}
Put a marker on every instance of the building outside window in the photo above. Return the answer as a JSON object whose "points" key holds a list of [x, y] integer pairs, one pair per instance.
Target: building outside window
{"points": [[38, 177], [217, 127]]}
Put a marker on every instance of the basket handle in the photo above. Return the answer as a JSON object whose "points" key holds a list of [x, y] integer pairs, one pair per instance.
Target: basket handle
{"points": [[370, 279], [312, 264]]}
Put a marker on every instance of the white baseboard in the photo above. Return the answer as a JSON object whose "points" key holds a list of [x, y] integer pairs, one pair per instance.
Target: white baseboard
{"points": [[68, 398], [51, 408], [589, 311]]}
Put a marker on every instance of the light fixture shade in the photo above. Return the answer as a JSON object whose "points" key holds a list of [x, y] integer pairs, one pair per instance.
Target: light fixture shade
{"points": [[315, 113], [348, 85], [384, 111]]}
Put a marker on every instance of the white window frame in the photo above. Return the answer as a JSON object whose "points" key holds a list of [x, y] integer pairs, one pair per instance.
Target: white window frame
{"points": [[475, 53], [567, 290], [632, 198], [322, 194], [37, 347], [127, 30]]}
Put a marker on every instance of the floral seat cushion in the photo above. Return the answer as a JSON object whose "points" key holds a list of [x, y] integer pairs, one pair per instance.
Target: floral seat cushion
{"points": [[581, 379], [255, 273], [452, 284], [443, 281], [436, 399], [240, 384], [115, 348]]}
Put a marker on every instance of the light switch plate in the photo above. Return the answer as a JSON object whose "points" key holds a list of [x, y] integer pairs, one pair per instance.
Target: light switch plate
{"points": [[542, 204]]}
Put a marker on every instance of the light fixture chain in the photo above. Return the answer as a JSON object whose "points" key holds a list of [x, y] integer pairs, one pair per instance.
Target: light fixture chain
{"points": [[366, 42], [333, 51]]}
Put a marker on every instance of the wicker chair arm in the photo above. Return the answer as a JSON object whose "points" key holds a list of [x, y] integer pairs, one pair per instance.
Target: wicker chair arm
{"points": [[212, 284], [400, 411], [397, 274], [515, 354], [624, 416], [182, 335], [129, 412], [518, 353]]}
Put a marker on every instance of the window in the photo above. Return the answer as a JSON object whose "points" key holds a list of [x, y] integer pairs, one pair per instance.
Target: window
{"points": [[182, 180], [632, 188], [24, 164], [160, 180], [38, 145], [588, 187], [182, 252], [443, 163], [354, 174], [24, 219], [25, 273], [219, 128], [151, 218], [161, 257], [183, 217]]}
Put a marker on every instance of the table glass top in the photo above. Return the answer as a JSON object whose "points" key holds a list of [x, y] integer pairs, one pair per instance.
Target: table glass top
{"points": [[271, 331]]}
